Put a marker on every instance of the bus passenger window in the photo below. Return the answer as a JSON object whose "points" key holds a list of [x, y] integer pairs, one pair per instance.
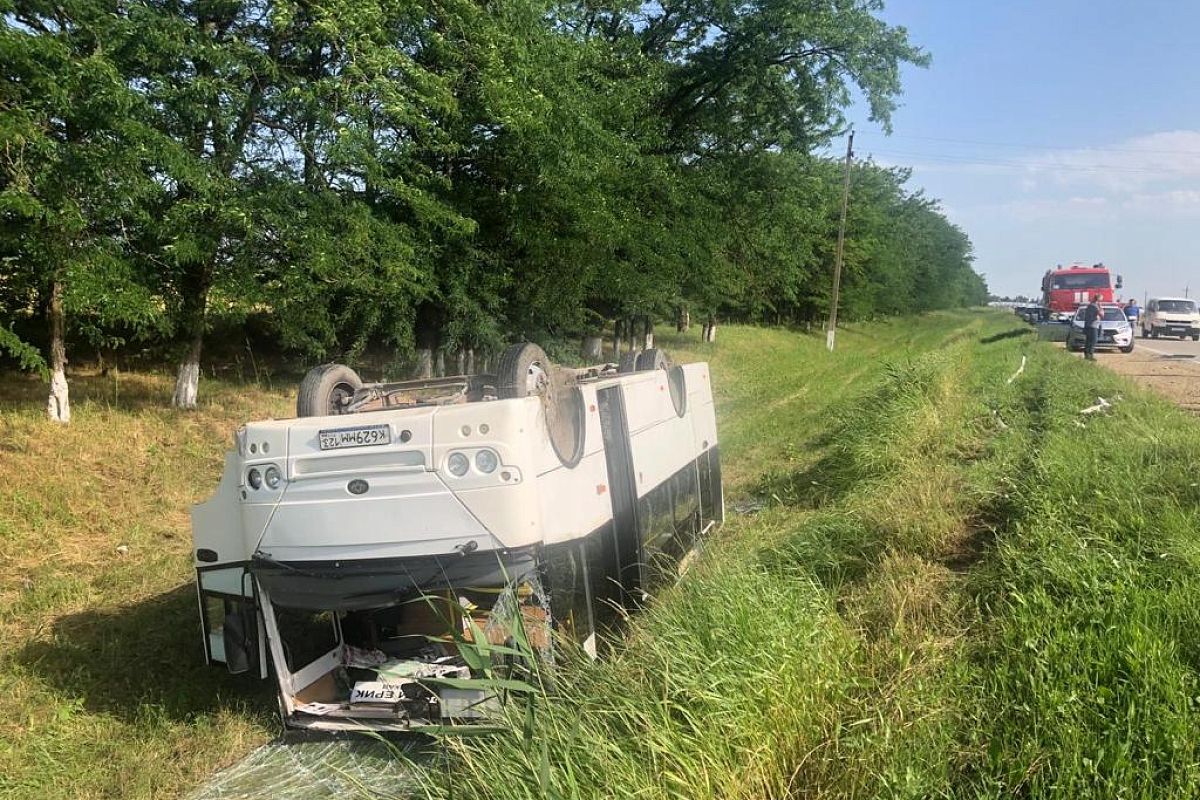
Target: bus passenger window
{"points": [[567, 584], [656, 515]]}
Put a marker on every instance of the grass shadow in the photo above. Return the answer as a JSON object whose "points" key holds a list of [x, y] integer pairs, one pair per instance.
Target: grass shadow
{"points": [[122, 660], [835, 549], [1012, 333], [815, 486]]}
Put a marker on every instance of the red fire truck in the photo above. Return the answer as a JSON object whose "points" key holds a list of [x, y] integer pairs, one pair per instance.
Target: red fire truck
{"points": [[1065, 288]]}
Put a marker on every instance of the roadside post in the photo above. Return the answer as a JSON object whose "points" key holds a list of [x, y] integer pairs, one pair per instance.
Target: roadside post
{"points": [[841, 241]]}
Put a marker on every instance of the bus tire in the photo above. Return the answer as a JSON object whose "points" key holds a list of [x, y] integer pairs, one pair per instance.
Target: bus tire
{"points": [[523, 370], [326, 389], [652, 359]]}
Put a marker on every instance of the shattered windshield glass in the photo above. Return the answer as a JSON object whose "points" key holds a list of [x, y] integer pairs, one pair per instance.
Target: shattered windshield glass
{"points": [[315, 770]]}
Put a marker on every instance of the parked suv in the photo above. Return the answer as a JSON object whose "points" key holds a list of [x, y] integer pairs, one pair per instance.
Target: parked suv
{"points": [[1171, 316], [1115, 329]]}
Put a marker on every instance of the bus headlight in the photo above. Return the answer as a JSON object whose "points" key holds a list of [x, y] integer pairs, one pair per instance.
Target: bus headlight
{"points": [[273, 477], [458, 464], [486, 461], [254, 478]]}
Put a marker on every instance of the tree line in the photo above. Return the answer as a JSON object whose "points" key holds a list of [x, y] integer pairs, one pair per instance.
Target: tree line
{"points": [[442, 176]]}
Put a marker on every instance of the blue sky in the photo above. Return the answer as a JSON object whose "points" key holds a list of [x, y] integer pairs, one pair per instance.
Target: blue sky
{"points": [[1056, 132]]}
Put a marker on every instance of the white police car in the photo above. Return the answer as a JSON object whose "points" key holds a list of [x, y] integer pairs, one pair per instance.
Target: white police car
{"points": [[1115, 329]]}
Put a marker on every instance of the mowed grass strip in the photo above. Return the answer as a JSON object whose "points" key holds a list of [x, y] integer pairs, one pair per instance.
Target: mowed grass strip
{"points": [[105, 693]]}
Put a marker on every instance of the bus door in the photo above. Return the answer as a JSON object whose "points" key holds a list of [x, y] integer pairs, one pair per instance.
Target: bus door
{"points": [[620, 578]]}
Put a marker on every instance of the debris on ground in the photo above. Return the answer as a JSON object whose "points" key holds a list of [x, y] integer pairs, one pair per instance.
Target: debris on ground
{"points": [[1020, 369], [1101, 405]]}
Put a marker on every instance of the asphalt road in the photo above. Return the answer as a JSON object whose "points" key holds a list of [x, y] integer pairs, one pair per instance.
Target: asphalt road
{"points": [[1184, 350]]}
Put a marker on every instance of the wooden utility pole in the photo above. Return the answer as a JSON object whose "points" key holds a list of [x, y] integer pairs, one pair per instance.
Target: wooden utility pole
{"points": [[841, 242]]}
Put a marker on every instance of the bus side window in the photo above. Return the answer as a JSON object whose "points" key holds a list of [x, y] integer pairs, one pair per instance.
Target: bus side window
{"points": [[687, 507], [603, 573], [710, 485], [570, 595], [656, 516]]}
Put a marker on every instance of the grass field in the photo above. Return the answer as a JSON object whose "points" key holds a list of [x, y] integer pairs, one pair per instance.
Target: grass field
{"points": [[941, 584]]}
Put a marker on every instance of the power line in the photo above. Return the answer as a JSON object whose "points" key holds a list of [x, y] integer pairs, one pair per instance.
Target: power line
{"points": [[1039, 146], [1027, 165]]}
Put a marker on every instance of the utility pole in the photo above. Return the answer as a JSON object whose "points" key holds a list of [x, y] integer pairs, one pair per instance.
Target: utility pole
{"points": [[841, 242]]}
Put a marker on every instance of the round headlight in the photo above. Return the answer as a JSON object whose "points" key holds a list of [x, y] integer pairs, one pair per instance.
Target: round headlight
{"points": [[273, 477], [458, 464], [487, 461], [254, 478]]}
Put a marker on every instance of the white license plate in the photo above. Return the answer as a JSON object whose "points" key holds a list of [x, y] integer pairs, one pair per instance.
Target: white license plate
{"points": [[361, 436]]}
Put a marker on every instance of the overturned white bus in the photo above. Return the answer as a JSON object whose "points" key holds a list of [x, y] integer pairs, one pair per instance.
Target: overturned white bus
{"points": [[568, 495]]}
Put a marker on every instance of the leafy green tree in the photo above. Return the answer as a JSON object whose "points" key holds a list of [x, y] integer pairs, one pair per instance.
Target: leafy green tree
{"points": [[74, 178]]}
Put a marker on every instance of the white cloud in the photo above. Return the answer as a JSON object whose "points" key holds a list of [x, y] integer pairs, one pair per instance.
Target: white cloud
{"points": [[1086, 208], [1154, 159], [1176, 203]]}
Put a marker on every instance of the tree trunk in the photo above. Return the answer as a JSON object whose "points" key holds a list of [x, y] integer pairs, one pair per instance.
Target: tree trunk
{"points": [[424, 367], [58, 405], [616, 340], [683, 320], [593, 349], [710, 329], [439, 363], [460, 361], [648, 332], [469, 369], [428, 335], [187, 381]]}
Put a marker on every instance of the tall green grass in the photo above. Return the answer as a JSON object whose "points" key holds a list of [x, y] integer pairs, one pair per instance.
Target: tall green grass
{"points": [[1085, 668], [960, 587], [813, 643]]}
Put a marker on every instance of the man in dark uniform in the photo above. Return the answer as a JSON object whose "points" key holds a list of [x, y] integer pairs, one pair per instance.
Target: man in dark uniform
{"points": [[1091, 327]]}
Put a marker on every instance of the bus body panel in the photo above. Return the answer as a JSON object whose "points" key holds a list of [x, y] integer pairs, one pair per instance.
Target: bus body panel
{"points": [[320, 520], [574, 501], [217, 522]]}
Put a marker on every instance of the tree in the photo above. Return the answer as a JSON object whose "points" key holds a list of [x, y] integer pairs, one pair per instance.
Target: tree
{"points": [[75, 170]]}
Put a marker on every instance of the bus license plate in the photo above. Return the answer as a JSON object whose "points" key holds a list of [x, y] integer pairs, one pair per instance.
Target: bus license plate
{"points": [[361, 436]]}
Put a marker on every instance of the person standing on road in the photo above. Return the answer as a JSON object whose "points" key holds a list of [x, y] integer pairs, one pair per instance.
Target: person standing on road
{"points": [[1091, 327], [1131, 313]]}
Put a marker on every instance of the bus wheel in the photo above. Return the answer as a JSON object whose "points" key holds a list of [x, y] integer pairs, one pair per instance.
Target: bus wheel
{"points": [[654, 358], [326, 390], [523, 370]]}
